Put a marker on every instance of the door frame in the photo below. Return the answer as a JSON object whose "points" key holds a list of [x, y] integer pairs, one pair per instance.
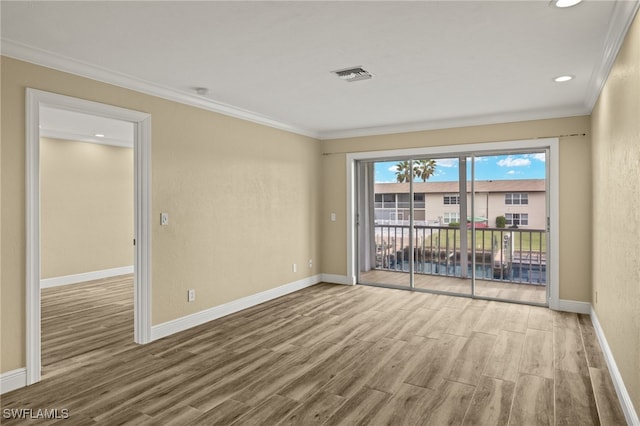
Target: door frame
{"points": [[142, 215], [553, 184]]}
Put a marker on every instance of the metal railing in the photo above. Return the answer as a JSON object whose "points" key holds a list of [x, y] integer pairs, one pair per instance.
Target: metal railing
{"points": [[501, 254]]}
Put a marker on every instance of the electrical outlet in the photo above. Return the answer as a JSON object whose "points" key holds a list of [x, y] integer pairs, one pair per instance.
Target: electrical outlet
{"points": [[294, 268], [596, 297], [310, 263], [164, 219], [191, 295]]}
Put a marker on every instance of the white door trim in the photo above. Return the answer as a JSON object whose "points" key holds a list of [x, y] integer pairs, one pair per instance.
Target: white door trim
{"points": [[142, 210], [553, 144]]}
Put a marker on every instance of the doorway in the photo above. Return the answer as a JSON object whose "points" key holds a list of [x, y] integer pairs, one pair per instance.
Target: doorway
{"points": [[36, 100], [86, 203], [477, 222]]}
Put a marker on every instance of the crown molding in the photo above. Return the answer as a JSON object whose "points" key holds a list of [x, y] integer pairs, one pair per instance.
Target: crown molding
{"points": [[621, 19], [623, 14], [508, 117], [47, 59]]}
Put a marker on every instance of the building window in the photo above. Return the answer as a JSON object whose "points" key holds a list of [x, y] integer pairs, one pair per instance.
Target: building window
{"points": [[403, 201], [451, 217], [385, 200], [517, 219], [516, 198], [389, 200], [452, 199]]}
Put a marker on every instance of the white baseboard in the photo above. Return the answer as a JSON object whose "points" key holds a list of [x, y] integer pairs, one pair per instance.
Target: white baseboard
{"points": [[174, 326], [85, 276], [335, 279], [12, 380], [574, 306], [625, 399]]}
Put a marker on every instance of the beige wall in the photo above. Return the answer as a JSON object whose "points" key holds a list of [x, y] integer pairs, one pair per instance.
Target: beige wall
{"points": [[243, 201], [86, 202], [616, 202], [574, 186]]}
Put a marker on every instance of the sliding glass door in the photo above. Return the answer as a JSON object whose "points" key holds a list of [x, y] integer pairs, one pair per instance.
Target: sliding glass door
{"points": [[472, 224]]}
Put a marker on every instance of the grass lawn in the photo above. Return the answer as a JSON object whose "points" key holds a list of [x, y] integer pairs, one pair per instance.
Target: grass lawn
{"points": [[449, 238]]}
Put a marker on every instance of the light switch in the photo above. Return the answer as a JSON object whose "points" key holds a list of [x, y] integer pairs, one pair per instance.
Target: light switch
{"points": [[164, 219], [333, 217]]}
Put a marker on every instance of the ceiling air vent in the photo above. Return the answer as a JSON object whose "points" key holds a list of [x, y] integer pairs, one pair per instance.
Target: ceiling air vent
{"points": [[353, 74]]}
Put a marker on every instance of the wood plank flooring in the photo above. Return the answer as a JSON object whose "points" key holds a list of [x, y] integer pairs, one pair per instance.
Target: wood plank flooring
{"points": [[528, 293], [328, 354]]}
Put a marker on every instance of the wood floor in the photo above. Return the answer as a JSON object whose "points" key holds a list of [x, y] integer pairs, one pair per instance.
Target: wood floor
{"points": [[329, 355], [527, 293]]}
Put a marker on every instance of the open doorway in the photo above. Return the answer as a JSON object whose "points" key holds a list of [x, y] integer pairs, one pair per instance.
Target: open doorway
{"points": [[87, 255], [37, 102]]}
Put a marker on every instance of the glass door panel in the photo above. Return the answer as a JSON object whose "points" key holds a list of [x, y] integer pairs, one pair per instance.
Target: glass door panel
{"points": [[440, 239], [409, 224], [510, 199], [384, 216]]}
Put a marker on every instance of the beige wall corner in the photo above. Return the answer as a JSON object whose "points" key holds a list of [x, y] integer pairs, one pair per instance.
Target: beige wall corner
{"points": [[616, 207], [575, 177]]}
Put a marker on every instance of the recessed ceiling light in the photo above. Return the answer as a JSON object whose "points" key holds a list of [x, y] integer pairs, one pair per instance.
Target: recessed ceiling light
{"points": [[353, 74], [563, 78], [565, 3], [99, 135]]}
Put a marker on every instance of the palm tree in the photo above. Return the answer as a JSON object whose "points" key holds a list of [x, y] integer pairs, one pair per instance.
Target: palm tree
{"points": [[422, 169], [403, 171]]}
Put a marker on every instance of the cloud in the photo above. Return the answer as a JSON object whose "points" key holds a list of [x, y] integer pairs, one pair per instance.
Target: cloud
{"points": [[447, 162], [541, 156], [511, 172], [514, 162], [393, 168]]}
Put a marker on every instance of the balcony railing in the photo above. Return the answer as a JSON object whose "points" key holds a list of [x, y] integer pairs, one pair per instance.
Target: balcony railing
{"points": [[507, 255]]}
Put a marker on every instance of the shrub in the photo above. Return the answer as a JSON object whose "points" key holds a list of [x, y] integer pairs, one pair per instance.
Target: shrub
{"points": [[454, 224], [501, 222]]}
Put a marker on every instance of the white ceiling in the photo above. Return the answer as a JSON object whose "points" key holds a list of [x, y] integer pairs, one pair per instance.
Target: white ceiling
{"points": [[434, 64]]}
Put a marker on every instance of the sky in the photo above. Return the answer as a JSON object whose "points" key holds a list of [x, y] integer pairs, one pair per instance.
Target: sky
{"points": [[495, 167]]}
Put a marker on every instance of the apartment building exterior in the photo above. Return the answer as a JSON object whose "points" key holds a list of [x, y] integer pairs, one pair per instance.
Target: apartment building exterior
{"points": [[521, 201]]}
